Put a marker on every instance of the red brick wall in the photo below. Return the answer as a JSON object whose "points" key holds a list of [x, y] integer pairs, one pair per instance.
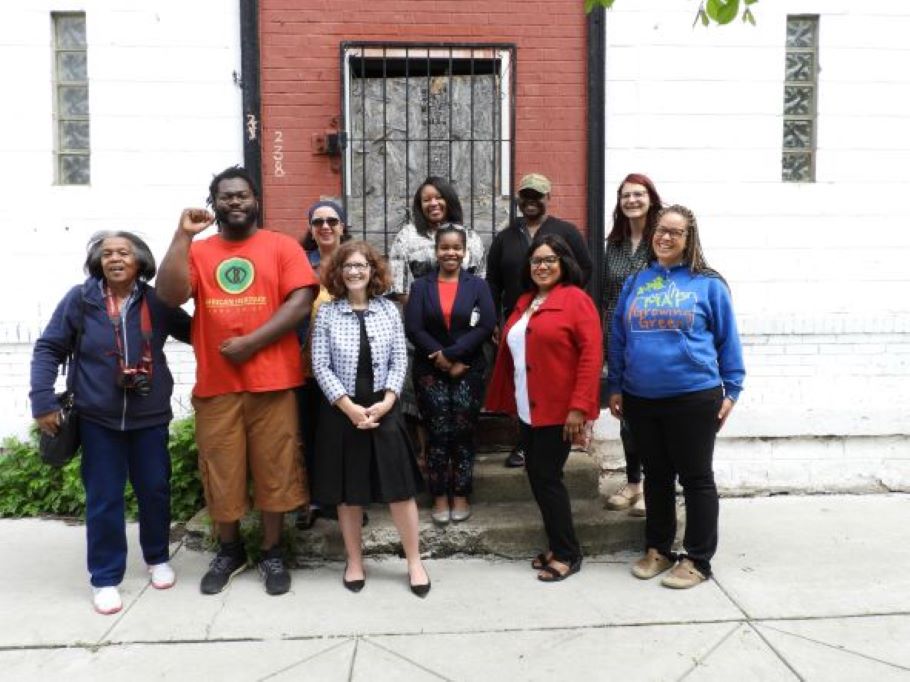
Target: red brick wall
{"points": [[301, 84]]}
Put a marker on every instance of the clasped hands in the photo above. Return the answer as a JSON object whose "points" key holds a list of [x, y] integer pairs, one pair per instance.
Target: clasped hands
{"points": [[453, 368], [366, 417]]}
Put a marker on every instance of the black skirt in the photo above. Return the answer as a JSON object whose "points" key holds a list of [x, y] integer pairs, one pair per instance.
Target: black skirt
{"points": [[357, 467]]}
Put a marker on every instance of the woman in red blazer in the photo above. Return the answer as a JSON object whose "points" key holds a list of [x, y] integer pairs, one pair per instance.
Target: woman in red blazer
{"points": [[547, 373]]}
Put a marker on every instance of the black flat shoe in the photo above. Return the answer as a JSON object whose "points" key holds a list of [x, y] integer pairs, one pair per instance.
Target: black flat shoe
{"points": [[419, 590], [352, 585]]}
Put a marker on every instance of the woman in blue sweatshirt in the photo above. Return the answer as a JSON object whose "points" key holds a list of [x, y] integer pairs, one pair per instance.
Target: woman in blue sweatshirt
{"points": [[675, 372], [122, 389]]}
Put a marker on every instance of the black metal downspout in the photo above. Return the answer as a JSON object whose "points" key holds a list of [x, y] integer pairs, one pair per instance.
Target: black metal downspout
{"points": [[597, 71], [252, 98]]}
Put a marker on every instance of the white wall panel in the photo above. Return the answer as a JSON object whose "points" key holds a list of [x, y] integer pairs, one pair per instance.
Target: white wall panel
{"points": [[165, 116]]}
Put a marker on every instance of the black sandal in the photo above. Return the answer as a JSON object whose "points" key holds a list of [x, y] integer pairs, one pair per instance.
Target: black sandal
{"points": [[552, 575], [541, 560]]}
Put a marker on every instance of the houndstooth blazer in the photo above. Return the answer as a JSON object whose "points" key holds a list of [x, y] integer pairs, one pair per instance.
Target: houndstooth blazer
{"points": [[336, 347]]}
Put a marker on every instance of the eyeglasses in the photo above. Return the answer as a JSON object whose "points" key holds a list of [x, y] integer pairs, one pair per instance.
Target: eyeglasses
{"points": [[672, 234], [633, 195], [319, 222], [355, 267], [549, 261]]}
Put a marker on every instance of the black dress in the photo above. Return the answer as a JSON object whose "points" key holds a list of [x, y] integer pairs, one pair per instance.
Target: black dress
{"points": [[355, 466]]}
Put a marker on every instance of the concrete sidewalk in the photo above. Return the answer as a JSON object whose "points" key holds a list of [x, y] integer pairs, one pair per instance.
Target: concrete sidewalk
{"points": [[814, 588]]}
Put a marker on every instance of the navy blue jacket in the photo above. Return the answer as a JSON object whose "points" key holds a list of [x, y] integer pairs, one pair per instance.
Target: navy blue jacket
{"points": [[426, 327], [98, 398]]}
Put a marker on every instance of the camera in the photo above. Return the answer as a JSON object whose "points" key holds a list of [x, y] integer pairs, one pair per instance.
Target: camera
{"points": [[135, 379]]}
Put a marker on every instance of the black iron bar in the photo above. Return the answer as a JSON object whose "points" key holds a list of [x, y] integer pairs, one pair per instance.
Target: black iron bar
{"points": [[363, 144], [385, 160]]}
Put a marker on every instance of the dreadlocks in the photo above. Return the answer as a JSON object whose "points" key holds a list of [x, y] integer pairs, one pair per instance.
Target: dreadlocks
{"points": [[227, 174], [693, 253]]}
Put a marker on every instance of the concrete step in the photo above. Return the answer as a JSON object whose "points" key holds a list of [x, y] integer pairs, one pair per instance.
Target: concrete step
{"points": [[495, 432], [494, 483], [512, 529]]}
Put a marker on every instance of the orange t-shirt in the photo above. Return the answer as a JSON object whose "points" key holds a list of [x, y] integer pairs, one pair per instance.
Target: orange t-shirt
{"points": [[447, 293], [237, 287]]}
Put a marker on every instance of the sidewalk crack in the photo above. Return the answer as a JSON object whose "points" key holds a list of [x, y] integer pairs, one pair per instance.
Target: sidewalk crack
{"points": [[696, 662], [307, 659], [406, 659], [776, 652], [837, 647]]}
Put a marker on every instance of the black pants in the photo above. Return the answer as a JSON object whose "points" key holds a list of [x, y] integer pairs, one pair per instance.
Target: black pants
{"points": [[633, 457], [545, 456], [675, 437]]}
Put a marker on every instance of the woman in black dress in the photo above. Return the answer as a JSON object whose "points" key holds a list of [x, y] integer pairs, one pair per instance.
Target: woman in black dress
{"points": [[363, 454]]}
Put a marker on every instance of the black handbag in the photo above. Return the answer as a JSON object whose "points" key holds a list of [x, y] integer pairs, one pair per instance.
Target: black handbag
{"points": [[58, 450]]}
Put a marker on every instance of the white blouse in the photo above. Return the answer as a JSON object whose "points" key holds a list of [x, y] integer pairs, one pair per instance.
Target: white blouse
{"points": [[516, 341]]}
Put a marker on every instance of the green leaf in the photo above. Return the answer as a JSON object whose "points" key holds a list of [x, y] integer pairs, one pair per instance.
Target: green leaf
{"points": [[722, 11], [749, 2], [590, 5]]}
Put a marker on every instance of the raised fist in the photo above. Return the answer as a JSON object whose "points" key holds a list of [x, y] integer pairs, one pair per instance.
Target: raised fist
{"points": [[195, 220]]}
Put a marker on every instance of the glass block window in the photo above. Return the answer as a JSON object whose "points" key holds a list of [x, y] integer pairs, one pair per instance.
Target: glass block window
{"points": [[800, 98], [71, 149]]}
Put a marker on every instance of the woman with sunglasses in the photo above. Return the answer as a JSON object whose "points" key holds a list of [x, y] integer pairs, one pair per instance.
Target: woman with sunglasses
{"points": [[363, 454], [547, 373], [327, 230], [675, 372], [448, 318], [626, 251]]}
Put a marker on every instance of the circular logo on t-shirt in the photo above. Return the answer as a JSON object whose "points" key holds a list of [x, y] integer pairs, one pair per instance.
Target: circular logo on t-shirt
{"points": [[235, 275]]}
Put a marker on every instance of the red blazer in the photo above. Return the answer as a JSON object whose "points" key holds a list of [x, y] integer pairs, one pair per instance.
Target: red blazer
{"points": [[564, 354]]}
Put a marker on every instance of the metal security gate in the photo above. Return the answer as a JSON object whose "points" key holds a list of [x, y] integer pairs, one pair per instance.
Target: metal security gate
{"points": [[411, 110]]}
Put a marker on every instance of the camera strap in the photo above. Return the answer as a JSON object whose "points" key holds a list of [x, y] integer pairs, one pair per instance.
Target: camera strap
{"points": [[145, 326]]}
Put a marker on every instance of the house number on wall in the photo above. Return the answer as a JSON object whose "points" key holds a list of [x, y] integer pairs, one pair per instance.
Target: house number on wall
{"points": [[278, 153]]}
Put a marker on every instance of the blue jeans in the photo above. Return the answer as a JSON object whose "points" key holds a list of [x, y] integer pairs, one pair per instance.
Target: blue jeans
{"points": [[108, 457]]}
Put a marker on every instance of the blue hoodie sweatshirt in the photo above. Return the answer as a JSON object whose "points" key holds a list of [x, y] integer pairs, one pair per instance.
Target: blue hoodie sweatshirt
{"points": [[672, 333], [98, 398]]}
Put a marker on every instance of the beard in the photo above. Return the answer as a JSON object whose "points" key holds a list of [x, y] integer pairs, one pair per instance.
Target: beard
{"points": [[234, 225]]}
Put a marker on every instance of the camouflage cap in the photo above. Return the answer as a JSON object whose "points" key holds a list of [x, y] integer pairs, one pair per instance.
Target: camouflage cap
{"points": [[536, 182]]}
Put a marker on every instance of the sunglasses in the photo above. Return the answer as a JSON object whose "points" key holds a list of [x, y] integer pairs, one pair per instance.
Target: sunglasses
{"points": [[319, 222]]}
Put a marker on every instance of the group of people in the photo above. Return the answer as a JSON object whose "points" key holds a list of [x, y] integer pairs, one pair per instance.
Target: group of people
{"points": [[324, 350]]}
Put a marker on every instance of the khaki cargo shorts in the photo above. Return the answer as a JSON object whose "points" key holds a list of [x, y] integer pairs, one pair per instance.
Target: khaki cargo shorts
{"points": [[243, 434]]}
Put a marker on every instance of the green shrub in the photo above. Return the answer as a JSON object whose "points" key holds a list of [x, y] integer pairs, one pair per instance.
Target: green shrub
{"points": [[30, 488]]}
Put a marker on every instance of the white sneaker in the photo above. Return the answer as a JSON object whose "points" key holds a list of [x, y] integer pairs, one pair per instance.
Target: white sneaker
{"points": [[106, 600], [163, 576]]}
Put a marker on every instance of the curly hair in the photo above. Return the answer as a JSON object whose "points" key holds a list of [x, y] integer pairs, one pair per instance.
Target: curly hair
{"points": [[622, 228], [333, 279], [229, 174]]}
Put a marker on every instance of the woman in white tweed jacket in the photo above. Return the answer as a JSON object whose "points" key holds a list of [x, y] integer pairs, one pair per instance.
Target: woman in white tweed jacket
{"points": [[363, 453], [336, 347]]}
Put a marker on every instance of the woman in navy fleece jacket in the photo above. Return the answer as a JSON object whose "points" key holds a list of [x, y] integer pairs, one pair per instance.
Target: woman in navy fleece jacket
{"points": [[675, 372], [123, 397]]}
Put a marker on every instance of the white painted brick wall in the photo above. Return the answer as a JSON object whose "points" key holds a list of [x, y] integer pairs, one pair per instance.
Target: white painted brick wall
{"points": [[165, 116], [818, 271]]}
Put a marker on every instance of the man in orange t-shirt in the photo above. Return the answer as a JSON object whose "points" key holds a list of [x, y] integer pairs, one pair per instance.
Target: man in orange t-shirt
{"points": [[252, 288]]}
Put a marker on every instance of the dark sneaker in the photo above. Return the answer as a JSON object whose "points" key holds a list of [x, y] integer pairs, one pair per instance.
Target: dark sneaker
{"points": [[274, 574], [230, 560], [515, 459]]}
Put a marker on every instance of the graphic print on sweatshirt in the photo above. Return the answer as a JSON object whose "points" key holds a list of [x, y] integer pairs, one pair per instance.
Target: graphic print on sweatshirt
{"points": [[660, 306]]}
